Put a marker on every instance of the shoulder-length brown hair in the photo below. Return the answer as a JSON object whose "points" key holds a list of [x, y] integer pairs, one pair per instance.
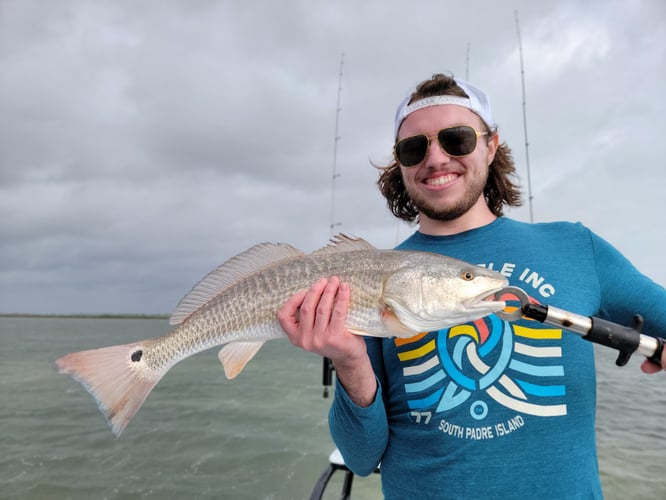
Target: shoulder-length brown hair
{"points": [[500, 188]]}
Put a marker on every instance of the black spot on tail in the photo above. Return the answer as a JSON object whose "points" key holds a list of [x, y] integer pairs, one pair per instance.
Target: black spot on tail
{"points": [[136, 355]]}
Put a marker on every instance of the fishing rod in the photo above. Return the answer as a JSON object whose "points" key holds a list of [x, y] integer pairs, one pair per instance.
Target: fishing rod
{"points": [[627, 340], [327, 364]]}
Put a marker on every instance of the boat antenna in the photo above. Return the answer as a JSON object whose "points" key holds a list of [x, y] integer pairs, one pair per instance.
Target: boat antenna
{"points": [[527, 152], [327, 369]]}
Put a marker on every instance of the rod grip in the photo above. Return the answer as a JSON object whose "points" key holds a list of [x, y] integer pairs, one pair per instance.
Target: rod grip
{"points": [[623, 338]]}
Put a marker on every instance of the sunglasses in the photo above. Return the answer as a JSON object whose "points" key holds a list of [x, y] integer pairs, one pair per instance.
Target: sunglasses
{"points": [[455, 141]]}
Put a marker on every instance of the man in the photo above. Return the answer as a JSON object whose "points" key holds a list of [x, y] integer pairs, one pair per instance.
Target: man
{"points": [[490, 409]]}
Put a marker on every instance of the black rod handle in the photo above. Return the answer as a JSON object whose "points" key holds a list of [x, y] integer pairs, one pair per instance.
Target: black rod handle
{"points": [[327, 374], [623, 338]]}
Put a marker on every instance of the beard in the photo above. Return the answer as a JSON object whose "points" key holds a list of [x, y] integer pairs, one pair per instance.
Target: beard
{"points": [[452, 211]]}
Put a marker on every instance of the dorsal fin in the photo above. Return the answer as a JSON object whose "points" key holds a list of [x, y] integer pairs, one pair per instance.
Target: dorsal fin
{"points": [[343, 243], [231, 272]]}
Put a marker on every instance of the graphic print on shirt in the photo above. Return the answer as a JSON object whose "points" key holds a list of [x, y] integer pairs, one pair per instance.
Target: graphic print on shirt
{"points": [[489, 361]]}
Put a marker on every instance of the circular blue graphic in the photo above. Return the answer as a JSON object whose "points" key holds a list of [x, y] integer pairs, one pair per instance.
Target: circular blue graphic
{"points": [[478, 410]]}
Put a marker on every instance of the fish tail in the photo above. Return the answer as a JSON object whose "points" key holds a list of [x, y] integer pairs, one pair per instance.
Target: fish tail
{"points": [[116, 377]]}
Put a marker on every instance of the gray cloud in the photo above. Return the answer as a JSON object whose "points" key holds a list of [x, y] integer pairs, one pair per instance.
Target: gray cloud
{"points": [[143, 143]]}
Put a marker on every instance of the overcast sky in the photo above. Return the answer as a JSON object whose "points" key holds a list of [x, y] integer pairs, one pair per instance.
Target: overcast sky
{"points": [[143, 143]]}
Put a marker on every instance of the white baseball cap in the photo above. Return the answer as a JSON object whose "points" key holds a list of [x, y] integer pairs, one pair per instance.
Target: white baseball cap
{"points": [[477, 101]]}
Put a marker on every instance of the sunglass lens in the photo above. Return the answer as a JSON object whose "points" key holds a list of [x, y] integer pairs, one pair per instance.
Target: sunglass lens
{"points": [[412, 150], [457, 141]]}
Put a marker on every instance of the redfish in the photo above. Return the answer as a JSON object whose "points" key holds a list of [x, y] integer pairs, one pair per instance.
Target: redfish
{"points": [[393, 294]]}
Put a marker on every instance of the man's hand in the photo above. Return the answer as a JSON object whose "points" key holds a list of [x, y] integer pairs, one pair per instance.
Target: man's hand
{"points": [[649, 367], [315, 320]]}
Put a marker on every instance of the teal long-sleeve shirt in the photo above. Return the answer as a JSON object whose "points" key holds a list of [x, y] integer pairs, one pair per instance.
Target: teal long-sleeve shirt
{"points": [[492, 409]]}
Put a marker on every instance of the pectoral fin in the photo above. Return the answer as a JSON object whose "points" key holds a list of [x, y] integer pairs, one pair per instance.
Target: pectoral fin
{"points": [[394, 326], [236, 355], [391, 327]]}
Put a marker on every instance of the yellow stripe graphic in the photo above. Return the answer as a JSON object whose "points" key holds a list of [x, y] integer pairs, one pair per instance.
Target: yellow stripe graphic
{"points": [[464, 330], [417, 353], [531, 333]]}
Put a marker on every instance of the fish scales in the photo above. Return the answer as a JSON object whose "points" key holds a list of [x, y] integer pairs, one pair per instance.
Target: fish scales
{"points": [[248, 310]]}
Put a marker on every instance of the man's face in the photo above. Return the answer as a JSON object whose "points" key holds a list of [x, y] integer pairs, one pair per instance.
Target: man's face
{"points": [[445, 187]]}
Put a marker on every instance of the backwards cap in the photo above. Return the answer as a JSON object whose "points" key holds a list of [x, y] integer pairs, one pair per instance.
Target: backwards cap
{"points": [[477, 101]]}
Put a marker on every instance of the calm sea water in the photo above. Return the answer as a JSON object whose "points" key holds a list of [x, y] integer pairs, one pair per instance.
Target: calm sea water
{"points": [[263, 435]]}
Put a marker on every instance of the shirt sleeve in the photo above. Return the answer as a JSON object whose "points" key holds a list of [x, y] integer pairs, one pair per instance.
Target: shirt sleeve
{"points": [[360, 433], [625, 291]]}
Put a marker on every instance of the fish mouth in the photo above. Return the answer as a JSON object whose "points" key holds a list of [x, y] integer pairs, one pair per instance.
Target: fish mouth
{"points": [[486, 301]]}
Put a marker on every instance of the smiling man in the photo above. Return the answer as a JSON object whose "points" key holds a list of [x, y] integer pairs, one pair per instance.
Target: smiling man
{"points": [[489, 409], [445, 149]]}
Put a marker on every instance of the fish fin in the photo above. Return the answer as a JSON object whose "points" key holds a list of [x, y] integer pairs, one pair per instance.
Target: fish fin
{"points": [[343, 243], [236, 355], [366, 333], [394, 326], [116, 377], [237, 268]]}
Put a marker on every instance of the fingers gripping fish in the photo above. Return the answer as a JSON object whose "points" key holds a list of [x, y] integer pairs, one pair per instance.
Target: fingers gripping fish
{"points": [[393, 294]]}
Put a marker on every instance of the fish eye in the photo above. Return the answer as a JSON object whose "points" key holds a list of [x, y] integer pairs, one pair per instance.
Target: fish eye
{"points": [[467, 275]]}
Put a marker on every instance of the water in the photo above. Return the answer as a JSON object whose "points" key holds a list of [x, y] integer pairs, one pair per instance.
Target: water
{"points": [[263, 435]]}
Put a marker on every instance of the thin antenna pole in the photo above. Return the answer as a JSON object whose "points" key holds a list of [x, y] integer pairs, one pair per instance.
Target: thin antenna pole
{"points": [[335, 175], [467, 64], [527, 152]]}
